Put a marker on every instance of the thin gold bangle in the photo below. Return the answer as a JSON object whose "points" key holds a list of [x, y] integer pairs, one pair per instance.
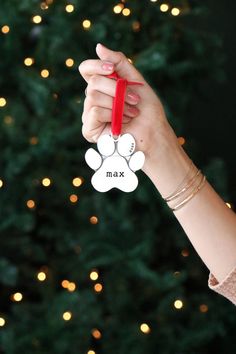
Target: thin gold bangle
{"points": [[190, 183], [186, 200]]}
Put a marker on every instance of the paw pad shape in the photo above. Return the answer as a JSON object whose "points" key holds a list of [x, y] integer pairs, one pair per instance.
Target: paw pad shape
{"points": [[115, 164]]}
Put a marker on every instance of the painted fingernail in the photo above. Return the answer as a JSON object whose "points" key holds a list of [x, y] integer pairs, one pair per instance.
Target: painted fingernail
{"points": [[108, 66], [133, 97], [133, 110]]}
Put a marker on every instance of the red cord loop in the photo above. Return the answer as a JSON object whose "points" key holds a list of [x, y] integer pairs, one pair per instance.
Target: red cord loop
{"points": [[118, 102]]}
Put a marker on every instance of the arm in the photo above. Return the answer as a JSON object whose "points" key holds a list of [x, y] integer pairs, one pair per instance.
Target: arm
{"points": [[208, 222]]}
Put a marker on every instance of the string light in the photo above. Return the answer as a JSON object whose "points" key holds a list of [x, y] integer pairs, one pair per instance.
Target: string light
{"points": [[136, 26], [73, 198], [41, 276], [3, 102], [71, 287], [181, 140], [144, 327], [96, 333], [67, 316], [164, 7], [2, 322], [98, 287], [126, 12], [29, 61], [203, 308], [30, 204], [178, 304], [1, 183], [17, 297], [49, 2], [77, 181], [37, 19], [153, 0], [69, 62], [65, 283], [175, 11], [86, 24], [46, 182], [91, 352], [69, 8], [8, 120], [130, 61], [43, 6], [33, 140], [185, 253], [44, 73], [93, 220], [176, 274], [93, 275], [229, 205], [118, 8], [5, 29]]}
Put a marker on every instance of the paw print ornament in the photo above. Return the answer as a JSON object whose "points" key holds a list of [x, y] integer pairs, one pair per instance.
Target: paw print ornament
{"points": [[115, 164], [116, 161]]}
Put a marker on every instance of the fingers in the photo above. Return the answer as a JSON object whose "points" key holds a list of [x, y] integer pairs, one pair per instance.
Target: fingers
{"points": [[92, 67]]}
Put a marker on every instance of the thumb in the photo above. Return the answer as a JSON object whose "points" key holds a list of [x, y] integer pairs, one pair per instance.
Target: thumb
{"points": [[122, 66]]}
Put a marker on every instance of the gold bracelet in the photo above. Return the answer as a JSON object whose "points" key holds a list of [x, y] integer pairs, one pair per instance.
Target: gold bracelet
{"points": [[189, 184], [187, 199]]}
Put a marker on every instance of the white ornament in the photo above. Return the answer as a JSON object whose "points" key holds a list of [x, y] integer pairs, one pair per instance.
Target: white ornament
{"points": [[116, 163]]}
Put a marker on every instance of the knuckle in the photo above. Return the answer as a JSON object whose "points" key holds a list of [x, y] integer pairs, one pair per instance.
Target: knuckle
{"points": [[95, 112], [94, 80], [82, 66], [86, 133]]}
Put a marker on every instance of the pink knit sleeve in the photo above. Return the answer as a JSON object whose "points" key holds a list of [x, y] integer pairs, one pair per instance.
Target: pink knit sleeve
{"points": [[227, 287]]}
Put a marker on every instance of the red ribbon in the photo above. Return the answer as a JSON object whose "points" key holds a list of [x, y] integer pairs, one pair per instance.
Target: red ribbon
{"points": [[118, 102]]}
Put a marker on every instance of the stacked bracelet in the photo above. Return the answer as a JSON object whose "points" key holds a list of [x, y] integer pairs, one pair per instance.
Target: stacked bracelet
{"points": [[189, 187]]}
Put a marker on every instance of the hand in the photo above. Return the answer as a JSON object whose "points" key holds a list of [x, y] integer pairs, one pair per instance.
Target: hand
{"points": [[144, 116]]}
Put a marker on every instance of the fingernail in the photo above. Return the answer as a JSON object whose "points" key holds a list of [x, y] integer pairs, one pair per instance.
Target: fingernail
{"points": [[133, 110], [133, 97], [107, 66]]}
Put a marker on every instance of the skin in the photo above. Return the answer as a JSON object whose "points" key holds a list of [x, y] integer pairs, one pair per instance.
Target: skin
{"points": [[209, 224]]}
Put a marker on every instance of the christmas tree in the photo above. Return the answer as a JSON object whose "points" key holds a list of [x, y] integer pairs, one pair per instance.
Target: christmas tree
{"points": [[83, 272]]}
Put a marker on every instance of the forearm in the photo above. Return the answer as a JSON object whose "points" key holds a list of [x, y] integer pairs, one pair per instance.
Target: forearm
{"points": [[208, 222]]}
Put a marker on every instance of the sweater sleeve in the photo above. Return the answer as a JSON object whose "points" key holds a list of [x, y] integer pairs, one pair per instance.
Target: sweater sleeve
{"points": [[227, 287]]}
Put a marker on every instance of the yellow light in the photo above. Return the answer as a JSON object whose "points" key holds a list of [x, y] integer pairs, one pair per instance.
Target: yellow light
{"points": [[67, 316], [118, 8], [91, 352], [65, 283], [17, 297], [178, 304], [28, 61], [3, 102], [136, 26], [1, 183], [46, 182], [185, 253], [86, 24], [203, 308], [176, 274], [164, 7], [5, 29], [96, 333], [44, 73], [229, 205], [69, 8], [175, 11], [49, 2], [30, 204], [44, 6], [126, 11], [98, 287], [71, 287], [144, 327], [153, 0], [8, 120], [181, 140], [77, 181], [37, 19], [41, 276], [33, 140], [94, 275], [93, 220], [73, 198], [69, 62], [2, 322]]}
